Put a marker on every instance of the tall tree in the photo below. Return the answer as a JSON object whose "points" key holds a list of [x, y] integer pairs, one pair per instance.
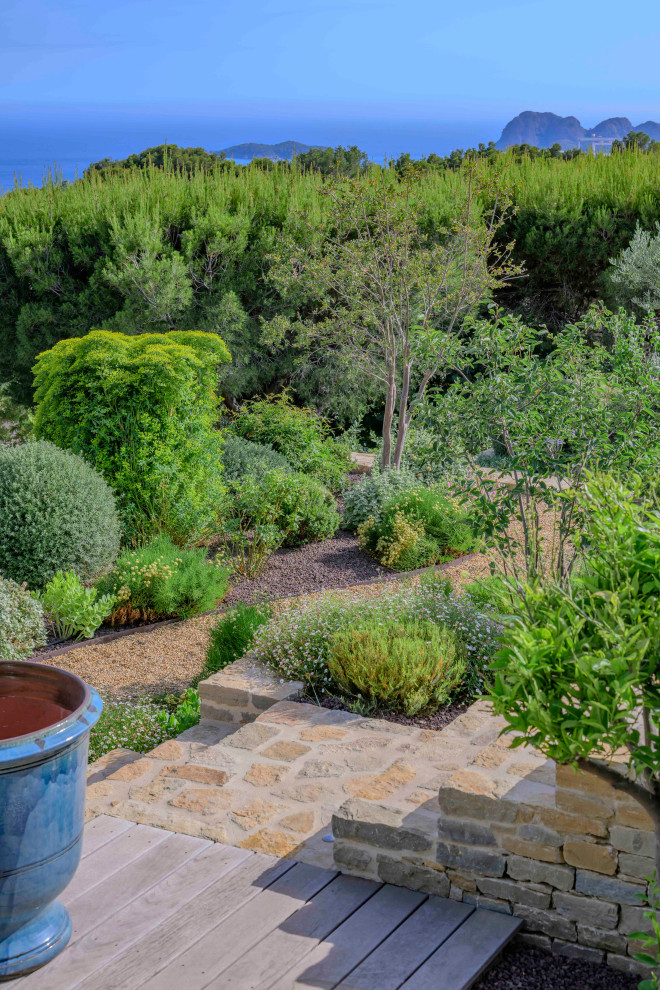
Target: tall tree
{"points": [[390, 292]]}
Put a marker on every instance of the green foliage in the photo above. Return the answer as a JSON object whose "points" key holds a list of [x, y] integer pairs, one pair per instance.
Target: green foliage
{"points": [[67, 268], [416, 528], [577, 675], [299, 507], [161, 581], [407, 666], [593, 403], [241, 458], [75, 611], [368, 496], [142, 409], [15, 419], [56, 513], [186, 714], [233, 636], [636, 272], [295, 643], [167, 156], [493, 591], [22, 627], [650, 940], [300, 435]]}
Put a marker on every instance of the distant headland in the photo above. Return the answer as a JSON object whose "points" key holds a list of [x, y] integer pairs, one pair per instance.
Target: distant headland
{"points": [[545, 129]]}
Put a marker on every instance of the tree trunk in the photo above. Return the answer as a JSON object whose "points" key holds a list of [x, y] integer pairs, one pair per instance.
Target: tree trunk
{"points": [[388, 418], [404, 420]]}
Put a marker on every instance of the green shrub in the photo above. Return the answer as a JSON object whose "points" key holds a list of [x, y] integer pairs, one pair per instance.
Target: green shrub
{"points": [[295, 643], [143, 410], [233, 636], [161, 581], [301, 436], [299, 507], [407, 666], [74, 610], [22, 627], [368, 496], [242, 458], [56, 513], [416, 528]]}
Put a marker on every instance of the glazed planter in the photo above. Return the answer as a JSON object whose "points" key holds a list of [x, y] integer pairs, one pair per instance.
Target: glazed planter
{"points": [[45, 718]]}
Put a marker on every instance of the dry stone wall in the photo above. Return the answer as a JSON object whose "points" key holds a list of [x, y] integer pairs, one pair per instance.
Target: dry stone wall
{"points": [[513, 833]]}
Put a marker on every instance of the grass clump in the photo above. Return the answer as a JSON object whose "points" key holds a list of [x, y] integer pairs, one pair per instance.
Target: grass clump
{"points": [[408, 666], [232, 637]]}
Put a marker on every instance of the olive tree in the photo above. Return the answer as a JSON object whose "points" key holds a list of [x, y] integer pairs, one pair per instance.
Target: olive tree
{"points": [[392, 290]]}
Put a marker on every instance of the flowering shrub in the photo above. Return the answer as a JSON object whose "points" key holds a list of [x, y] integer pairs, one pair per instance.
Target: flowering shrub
{"points": [[160, 581], [136, 725], [74, 610], [371, 493], [407, 666], [295, 643], [417, 527], [22, 626]]}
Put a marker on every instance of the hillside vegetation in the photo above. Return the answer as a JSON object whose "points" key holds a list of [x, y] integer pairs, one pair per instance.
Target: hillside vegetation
{"points": [[151, 249]]}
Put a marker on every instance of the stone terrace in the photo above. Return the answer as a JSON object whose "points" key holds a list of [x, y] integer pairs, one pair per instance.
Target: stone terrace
{"points": [[273, 784]]}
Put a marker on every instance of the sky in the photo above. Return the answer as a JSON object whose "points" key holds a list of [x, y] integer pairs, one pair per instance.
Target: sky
{"points": [[418, 59]]}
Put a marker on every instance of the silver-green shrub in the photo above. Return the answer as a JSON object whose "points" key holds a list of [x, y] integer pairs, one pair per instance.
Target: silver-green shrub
{"points": [[56, 513], [22, 627]]}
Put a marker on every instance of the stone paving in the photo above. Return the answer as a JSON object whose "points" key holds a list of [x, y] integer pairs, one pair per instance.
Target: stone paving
{"points": [[273, 784]]}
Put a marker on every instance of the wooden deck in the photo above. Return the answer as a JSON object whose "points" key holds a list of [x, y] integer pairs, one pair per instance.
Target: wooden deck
{"points": [[163, 911]]}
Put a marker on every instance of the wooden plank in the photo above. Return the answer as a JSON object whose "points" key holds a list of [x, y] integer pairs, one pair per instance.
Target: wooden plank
{"points": [[297, 936], [110, 858], [101, 830], [159, 947], [330, 962], [204, 959], [98, 905], [388, 966], [88, 961], [460, 961]]}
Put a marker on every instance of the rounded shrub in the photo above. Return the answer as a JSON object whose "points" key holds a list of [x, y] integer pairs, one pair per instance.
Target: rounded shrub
{"points": [[56, 514], [407, 666], [298, 506], [366, 498], [241, 458], [22, 626]]}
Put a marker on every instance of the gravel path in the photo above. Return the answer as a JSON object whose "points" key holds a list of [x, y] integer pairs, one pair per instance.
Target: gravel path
{"points": [[335, 563], [521, 968]]}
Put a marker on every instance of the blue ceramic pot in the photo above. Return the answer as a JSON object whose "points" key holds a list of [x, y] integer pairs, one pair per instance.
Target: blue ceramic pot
{"points": [[45, 718]]}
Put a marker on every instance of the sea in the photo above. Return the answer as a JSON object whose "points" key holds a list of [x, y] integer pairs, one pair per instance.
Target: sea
{"points": [[35, 143]]}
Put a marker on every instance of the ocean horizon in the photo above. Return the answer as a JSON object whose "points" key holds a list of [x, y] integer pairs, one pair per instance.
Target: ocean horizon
{"points": [[65, 143]]}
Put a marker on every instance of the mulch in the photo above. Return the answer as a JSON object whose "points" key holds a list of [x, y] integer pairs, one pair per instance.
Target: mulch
{"points": [[438, 720], [523, 968], [335, 563]]}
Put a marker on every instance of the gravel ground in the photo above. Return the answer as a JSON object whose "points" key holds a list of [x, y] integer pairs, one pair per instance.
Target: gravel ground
{"points": [[521, 968], [335, 563]]}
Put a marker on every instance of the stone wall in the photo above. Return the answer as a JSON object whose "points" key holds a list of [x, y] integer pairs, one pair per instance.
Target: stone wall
{"points": [[243, 691], [516, 834]]}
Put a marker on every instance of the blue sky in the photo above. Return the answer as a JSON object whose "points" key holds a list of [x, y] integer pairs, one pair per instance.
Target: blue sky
{"points": [[417, 59]]}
